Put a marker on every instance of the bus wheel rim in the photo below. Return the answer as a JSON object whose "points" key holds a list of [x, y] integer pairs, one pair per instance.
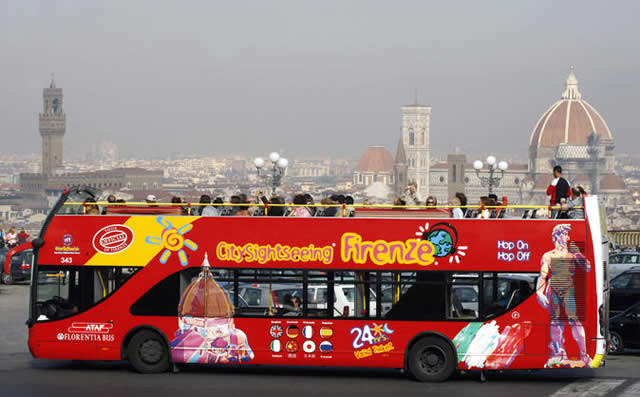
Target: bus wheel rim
{"points": [[150, 351], [432, 360]]}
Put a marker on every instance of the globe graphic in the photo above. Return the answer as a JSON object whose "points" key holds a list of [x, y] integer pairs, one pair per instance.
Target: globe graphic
{"points": [[442, 241]]}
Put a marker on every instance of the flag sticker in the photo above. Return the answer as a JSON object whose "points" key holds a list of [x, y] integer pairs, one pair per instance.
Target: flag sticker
{"points": [[309, 346], [326, 332], [293, 331], [291, 346], [307, 331], [276, 346], [326, 347]]}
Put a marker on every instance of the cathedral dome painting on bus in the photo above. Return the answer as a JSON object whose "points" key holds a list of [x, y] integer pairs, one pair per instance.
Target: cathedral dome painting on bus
{"points": [[207, 333]]}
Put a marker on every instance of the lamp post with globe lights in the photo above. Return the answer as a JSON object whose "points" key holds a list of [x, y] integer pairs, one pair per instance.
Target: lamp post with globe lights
{"points": [[272, 176], [493, 180]]}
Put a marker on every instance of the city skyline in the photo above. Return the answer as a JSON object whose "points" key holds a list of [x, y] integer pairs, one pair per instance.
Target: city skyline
{"points": [[187, 90]]}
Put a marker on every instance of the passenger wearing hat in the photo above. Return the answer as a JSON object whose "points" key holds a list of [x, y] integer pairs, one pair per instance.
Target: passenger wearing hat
{"points": [[151, 199]]}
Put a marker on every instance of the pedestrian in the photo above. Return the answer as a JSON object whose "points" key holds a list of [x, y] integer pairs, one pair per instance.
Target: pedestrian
{"points": [[22, 236], [12, 238]]}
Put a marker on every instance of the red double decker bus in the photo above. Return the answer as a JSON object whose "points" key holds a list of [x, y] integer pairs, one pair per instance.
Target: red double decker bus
{"points": [[384, 288]]}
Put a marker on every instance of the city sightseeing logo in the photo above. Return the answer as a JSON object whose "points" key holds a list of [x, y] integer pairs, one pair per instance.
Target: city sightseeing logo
{"points": [[173, 240], [444, 238]]}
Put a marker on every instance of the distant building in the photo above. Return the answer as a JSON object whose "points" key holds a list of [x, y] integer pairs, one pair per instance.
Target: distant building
{"points": [[572, 134], [52, 180], [416, 120], [375, 165], [53, 125]]}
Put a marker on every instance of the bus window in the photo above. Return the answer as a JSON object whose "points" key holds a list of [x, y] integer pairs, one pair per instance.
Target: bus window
{"points": [[504, 291], [270, 292], [463, 296], [414, 296], [64, 291], [354, 294]]}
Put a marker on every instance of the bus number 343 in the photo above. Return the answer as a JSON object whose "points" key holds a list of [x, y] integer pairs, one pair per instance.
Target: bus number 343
{"points": [[66, 260]]}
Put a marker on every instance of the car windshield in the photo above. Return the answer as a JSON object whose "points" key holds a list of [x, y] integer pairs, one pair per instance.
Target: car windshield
{"points": [[621, 281]]}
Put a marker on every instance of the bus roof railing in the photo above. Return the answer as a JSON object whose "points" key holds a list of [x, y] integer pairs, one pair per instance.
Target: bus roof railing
{"points": [[142, 208]]}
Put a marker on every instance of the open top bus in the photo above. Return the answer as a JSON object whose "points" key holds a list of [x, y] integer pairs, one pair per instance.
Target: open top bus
{"points": [[397, 289]]}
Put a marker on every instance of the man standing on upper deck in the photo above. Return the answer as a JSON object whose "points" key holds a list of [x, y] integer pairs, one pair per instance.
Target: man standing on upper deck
{"points": [[556, 292], [558, 189]]}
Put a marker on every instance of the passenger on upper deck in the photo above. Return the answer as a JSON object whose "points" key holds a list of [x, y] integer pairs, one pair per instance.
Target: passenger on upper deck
{"points": [[351, 211], [151, 199], [207, 210], [309, 199], [463, 202], [240, 210], [558, 189], [329, 211], [456, 212], [410, 194], [299, 199], [431, 201], [398, 202], [577, 200], [90, 207], [485, 202]]}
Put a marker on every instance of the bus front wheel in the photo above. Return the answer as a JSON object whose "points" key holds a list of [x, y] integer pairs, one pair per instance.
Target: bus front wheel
{"points": [[148, 353], [431, 359]]}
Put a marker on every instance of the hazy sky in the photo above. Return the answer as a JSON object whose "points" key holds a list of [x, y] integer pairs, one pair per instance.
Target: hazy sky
{"points": [[311, 78]]}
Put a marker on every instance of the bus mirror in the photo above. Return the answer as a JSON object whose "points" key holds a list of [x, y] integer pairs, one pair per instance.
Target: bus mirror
{"points": [[345, 311], [37, 243]]}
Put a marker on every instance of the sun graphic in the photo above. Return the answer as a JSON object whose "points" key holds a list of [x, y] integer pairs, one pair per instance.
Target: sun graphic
{"points": [[173, 240], [377, 329], [444, 238]]}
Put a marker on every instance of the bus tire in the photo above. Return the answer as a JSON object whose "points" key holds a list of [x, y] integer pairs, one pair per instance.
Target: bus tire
{"points": [[616, 345], [431, 359], [7, 279], [147, 352]]}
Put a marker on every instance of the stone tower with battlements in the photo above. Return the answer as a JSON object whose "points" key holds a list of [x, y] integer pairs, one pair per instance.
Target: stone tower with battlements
{"points": [[52, 128]]}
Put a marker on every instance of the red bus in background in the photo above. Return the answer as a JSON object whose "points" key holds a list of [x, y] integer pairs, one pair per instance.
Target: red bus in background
{"points": [[431, 295]]}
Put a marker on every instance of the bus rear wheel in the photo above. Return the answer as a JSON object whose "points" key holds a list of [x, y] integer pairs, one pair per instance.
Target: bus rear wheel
{"points": [[431, 360], [148, 353]]}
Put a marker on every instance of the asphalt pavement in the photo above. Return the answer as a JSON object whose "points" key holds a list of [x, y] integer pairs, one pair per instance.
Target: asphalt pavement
{"points": [[21, 375]]}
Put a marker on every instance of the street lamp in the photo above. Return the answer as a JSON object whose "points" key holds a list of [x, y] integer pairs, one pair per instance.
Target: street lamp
{"points": [[492, 180], [272, 176]]}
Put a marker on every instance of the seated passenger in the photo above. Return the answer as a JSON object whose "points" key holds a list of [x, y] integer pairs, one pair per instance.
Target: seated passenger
{"points": [[298, 200], [329, 211], [577, 200], [486, 212], [207, 210], [398, 202], [431, 201], [240, 210], [90, 208], [351, 211], [456, 212], [152, 200], [111, 199]]}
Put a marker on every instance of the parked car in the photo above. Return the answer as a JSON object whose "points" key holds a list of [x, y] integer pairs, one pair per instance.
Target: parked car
{"points": [[622, 261], [624, 330], [20, 266], [624, 290]]}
